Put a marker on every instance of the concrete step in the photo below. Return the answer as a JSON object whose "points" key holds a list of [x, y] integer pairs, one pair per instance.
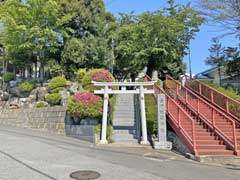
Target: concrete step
{"points": [[124, 131], [124, 123], [215, 152]]}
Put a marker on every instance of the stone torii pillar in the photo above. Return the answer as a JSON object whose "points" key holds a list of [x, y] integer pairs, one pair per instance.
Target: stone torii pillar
{"points": [[143, 117], [104, 118]]}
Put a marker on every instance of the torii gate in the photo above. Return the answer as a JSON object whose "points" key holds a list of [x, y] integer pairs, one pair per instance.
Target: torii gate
{"points": [[106, 91]]}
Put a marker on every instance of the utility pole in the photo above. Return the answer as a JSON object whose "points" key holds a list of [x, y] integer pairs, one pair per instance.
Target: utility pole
{"points": [[113, 58], [190, 62]]}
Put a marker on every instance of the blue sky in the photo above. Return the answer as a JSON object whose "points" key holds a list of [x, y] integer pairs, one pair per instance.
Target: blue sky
{"points": [[199, 46]]}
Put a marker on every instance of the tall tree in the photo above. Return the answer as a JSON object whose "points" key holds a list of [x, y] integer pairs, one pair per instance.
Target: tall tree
{"points": [[226, 13], [217, 56], [31, 28]]}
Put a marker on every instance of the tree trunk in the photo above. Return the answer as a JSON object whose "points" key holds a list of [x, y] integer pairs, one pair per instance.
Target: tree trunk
{"points": [[14, 72], [41, 71]]}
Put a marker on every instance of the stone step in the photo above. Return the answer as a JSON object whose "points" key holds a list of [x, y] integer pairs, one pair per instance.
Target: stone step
{"points": [[124, 131], [124, 124]]}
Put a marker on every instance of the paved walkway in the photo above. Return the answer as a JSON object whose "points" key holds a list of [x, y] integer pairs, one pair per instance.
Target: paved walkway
{"points": [[30, 155]]}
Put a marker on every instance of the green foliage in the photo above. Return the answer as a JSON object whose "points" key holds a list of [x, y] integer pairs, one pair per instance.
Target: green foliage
{"points": [[26, 86], [41, 104], [228, 91], [80, 74], [57, 82], [57, 90], [55, 68], [54, 99], [99, 75], [8, 76], [84, 104], [112, 103], [98, 129], [151, 113], [224, 13]]}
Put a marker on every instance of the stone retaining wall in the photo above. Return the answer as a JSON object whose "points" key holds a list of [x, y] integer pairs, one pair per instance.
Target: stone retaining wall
{"points": [[50, 119]]}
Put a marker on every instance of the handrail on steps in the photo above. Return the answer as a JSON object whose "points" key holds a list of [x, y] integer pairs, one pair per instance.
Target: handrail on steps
{"points": [[228, 100], [191, 140], [212, 124]]}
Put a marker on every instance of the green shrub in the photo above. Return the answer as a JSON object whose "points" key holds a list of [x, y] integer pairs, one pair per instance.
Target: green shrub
{"points": [[80, 74], [100, 75], [54, 99], [8, 76], [57, 90], [98, 129], [26, 86], [57, 82], [41, 104], [85, 104], [151, 113]]}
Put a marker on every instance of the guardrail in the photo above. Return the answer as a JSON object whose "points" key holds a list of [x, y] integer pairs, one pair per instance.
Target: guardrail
{"points": [[181, 122], [227, 104], [206, 111]]}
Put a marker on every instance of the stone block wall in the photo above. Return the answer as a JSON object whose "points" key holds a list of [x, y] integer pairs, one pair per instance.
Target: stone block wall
{"points": [[50, 119]]}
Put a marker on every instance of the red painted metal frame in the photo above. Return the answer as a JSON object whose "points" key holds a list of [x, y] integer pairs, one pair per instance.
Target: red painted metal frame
{"points": [[213, 94], [177, 118], [184, 94]]}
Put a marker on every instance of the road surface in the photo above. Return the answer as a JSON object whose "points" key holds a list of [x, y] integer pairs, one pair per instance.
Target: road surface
{"points": [[31, 155]]}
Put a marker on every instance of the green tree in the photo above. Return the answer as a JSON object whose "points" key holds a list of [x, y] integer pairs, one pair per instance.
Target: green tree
{"points": [[217, 56], [31, 28], [225, 13]]}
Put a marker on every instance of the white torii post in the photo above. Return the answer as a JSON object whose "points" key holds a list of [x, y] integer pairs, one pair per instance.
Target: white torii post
{"points": [[106, 91], [104, 119], [143, 117]]}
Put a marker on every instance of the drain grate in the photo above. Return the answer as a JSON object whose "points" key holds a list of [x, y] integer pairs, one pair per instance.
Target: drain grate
{"points": [[85, 175]]}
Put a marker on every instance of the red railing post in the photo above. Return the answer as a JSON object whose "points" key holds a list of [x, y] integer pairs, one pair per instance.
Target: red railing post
{"points": [[213, 118], [200, 88], [194, 138], [178, 118], [235, 137], [198, 106], [212, 96], [227, 105], [186, 97]]}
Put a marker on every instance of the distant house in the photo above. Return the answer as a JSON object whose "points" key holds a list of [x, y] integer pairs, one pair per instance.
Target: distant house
{"points": [[213, 75]]}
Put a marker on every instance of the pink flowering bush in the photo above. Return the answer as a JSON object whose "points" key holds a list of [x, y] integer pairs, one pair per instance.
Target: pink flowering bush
{"points": [[85, 104], [100, 75]]}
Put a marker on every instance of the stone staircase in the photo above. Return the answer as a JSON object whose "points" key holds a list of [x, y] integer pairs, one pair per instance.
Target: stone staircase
{"points": [[125, 126]]}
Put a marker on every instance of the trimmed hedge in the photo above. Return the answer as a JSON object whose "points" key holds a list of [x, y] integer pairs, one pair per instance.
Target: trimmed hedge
{"points": [[85, 104], [100, 75], [26, 86], [57, 82], [151, 113], [54, 99]]}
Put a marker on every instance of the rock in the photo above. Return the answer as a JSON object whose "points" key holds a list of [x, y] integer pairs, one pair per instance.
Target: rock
{"points": [[13, 83], [73, 87], [65, 95], [39, 93], [15, 91], [13, 103]]}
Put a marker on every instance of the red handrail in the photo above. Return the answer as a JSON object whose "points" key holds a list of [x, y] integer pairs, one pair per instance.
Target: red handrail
{"points": [[177, 118], [177, 89], [217, 98]]}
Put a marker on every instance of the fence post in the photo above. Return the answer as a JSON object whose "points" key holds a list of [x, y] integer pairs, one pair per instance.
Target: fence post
{"points": [[227, 105]]}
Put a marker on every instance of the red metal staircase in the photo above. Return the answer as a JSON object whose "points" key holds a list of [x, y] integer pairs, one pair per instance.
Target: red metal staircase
{"points": [[202, 127]]}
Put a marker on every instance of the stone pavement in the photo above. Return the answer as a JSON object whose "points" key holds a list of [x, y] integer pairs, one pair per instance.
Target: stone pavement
{"points": [[30, 155]]}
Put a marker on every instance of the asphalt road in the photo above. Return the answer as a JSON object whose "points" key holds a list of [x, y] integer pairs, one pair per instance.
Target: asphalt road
{"points": [[31, 155]]}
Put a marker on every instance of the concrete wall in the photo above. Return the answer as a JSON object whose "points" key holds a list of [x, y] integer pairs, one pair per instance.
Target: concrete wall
{"points": [[45, 119]]}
